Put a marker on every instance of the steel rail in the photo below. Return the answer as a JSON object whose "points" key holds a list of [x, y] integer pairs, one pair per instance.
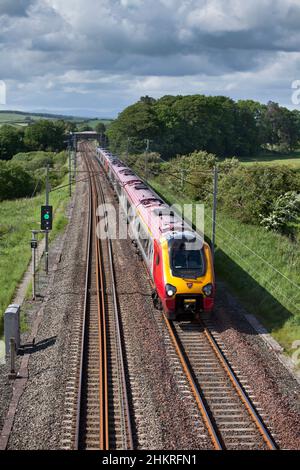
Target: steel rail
{"points": [[103, 380], [250, 408], [207, 416], [199, 395], [126, 410], [201, 406], [88, 260], [97, 197]]}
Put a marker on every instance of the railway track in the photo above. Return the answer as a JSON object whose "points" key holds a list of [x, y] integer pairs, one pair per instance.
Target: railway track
{"points": [[228, 413], [103, 417], [100, 417]]}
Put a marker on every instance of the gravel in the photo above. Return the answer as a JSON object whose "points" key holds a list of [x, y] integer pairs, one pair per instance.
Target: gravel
{"points": [[274, 388], [163, 417], [38, 419]]}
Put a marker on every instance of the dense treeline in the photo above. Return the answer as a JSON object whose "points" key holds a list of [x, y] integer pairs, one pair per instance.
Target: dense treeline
{"points": [[178, 125], [43, 135]]}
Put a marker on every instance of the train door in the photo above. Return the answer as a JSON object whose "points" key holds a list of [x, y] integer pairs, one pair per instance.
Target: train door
{"points": [[158, 272]]}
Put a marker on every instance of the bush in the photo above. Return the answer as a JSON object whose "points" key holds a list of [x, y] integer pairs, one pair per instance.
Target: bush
{"points": [[45, 135], [192, 174], [11, 141], [15, 182], [249, 193], [284, 214], [32, 161], [33, 165]]}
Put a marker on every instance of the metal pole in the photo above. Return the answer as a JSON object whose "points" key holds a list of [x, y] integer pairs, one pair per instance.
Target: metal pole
{"points": [[47, 232], [71, 141], [146, 158], [12, 374], [33, 266], [75, 163], [70, 172], [214, 214], [37, 276]]}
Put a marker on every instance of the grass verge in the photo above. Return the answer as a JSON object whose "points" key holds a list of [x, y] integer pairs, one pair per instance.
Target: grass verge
{"points": [[249, 259], [17, 218]]}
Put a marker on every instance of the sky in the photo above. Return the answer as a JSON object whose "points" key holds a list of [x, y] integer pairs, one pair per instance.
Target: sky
{"points": [[95, 57]]}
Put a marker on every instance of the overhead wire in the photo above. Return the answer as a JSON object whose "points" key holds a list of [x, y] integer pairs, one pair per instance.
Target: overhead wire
{"points": [[290, 281]]}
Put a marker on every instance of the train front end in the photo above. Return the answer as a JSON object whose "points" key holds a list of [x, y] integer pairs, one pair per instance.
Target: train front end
{"points": [[189, 284]]}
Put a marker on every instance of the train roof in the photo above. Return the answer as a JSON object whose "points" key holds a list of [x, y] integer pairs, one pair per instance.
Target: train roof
{"points": [[158, 216]]}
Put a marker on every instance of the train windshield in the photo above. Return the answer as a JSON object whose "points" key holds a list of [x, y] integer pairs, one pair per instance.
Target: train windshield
{"points": [[186, 260]]}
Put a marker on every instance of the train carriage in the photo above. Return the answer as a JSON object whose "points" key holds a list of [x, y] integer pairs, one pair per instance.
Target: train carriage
{"points": [[178, 260]]}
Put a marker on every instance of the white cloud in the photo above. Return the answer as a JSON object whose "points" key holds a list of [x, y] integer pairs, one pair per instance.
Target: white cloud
{"points": [[109, 52]]}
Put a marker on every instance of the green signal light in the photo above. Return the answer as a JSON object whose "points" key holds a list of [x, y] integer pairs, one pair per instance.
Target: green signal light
{"points": [[46, 218]]}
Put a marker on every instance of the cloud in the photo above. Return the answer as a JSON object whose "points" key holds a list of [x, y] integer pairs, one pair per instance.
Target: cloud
{"points": [[114, 50], [14, 7]]}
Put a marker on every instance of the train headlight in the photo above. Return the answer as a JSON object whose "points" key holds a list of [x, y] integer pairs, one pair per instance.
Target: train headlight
{"points": [[170, 290], [208, 289]]}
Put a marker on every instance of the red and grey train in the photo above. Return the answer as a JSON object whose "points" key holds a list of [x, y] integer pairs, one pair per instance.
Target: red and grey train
{"points": [[178, 260]]}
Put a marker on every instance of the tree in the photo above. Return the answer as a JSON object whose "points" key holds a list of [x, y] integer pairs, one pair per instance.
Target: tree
{"points": [[11, 141], [215, 124], [281, 127], [15, 182], [138, 122], [289, 131], [100, 128], [70, 126], [248, 128], [45, 135]]}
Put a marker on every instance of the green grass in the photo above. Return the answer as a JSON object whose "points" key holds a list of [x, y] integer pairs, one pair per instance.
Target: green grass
{"points": [[292, 159], [16, 119], [94, 122], [19, 119], [263, 291], [17, 219]]}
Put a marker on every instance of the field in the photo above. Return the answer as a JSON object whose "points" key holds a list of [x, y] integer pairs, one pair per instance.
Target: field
{"points": [[292, 159], [261, 268], [17, 218], [22, 119]]}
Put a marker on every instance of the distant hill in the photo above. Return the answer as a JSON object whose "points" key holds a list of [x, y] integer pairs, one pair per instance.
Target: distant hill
{"points": [[21, 118]]}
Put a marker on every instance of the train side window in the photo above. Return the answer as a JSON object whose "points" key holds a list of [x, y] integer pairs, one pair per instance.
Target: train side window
{"points": [[137, 227], [150, 250], [157, 259], [118, 188]]}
